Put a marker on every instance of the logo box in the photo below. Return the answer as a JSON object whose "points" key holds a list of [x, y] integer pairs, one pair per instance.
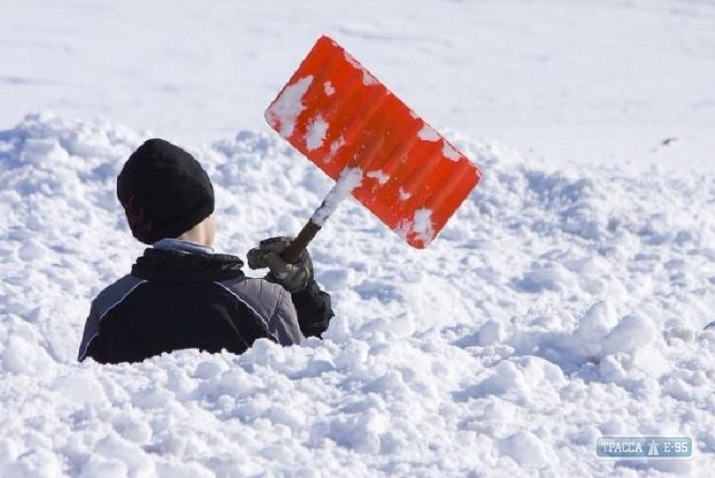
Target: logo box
{"points": [[644, 448]]}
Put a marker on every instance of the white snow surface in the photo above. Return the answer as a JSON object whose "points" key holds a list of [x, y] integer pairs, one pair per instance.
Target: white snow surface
{"points": [[315, 135], [565, 300], [349, 180], [591, 81], [427, 133], [286, 108]]}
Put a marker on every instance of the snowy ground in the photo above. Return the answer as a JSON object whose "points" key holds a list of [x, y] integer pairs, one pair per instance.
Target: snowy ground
{"points": [[561, 303], [592, 81]]}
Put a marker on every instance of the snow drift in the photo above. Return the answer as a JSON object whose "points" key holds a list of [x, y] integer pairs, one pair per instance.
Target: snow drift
{"points": [[555, 307]]}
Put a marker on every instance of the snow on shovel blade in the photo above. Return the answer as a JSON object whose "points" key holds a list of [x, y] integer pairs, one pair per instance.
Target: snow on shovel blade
{"points": [[343, 119]]}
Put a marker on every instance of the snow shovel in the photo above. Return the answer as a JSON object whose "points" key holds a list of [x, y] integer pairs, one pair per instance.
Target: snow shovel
{"points": [[376, 148]]}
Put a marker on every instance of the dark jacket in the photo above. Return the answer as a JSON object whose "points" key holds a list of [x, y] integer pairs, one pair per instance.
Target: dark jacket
{"points": [[173, 300]]}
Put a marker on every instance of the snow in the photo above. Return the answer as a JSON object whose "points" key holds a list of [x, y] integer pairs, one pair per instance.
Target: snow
{"points": [[328, 88], [315, 134], [420, 225], [449, 152], [350, 178], [286, 108], [403, 195], [379, 175], [427, 133], [334, 148], [367, 78], [565, 300]]}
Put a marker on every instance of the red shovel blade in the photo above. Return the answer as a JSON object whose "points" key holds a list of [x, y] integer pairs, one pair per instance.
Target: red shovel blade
{"points": [[341, 117]]}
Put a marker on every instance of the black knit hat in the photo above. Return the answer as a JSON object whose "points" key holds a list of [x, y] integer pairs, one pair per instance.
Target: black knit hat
{"points": [[164, 191]]}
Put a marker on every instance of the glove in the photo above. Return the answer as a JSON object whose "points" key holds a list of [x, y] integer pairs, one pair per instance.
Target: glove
{"points": [[293, 277]]}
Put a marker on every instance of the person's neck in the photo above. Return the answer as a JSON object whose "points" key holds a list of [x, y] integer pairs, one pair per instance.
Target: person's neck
{"points": [[197, 235]]}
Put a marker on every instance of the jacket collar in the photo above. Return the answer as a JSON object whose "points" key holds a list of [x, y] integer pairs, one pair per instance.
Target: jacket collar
{"points": [[175, 266]]}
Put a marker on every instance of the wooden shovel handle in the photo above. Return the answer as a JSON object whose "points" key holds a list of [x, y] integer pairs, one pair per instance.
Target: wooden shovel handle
{"points": [[300, 243]]}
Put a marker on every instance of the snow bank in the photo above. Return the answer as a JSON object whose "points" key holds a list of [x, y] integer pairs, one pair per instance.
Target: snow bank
{"points": [[556, 306]]}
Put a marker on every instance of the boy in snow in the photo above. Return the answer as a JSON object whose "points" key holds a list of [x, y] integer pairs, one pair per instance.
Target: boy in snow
{"points": [[180, 294]]}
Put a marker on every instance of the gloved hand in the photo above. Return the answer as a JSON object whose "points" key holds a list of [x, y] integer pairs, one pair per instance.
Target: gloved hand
{"points": [[293, 277]]}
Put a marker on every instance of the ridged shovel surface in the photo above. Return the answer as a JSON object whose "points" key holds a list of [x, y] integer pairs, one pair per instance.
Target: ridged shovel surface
{"points": [[343, 119]]}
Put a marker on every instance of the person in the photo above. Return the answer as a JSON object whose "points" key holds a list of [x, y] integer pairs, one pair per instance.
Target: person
{"points": [[181, 294]]}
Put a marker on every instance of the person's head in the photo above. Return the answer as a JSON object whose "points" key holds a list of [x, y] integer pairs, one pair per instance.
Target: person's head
{"points": [[165, 193]]}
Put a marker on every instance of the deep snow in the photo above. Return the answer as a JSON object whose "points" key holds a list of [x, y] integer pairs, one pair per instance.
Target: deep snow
{"points": [[564, 301], [557, 306]]}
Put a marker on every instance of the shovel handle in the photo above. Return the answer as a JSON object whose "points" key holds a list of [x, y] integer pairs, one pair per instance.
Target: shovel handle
{"points": [[311, 228], [301, 241]]}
